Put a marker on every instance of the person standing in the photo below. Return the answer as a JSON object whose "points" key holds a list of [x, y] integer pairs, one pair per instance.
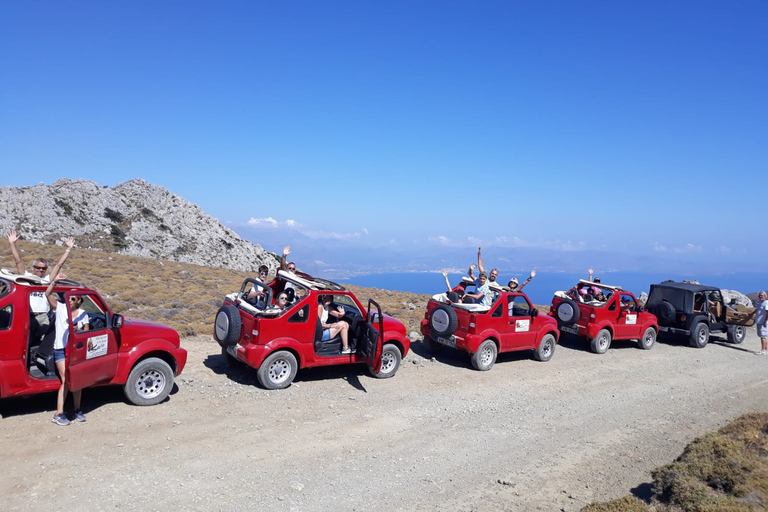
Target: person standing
{"points": [[761, 322], [38, 304]]}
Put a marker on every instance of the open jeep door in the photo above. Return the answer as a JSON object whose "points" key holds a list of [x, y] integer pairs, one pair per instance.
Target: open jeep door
{"points": [[91, 354], [372, 337]]}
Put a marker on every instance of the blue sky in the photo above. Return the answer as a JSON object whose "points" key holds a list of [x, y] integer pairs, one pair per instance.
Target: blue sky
{"points": [[603, 133]]}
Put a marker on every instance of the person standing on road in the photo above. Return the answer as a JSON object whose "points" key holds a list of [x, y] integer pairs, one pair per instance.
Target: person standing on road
{"points": [[761, 322], [38, 304]]}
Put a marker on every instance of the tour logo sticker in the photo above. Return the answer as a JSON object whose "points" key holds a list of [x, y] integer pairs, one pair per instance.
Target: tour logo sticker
{"points": [[97, 346], [523, 325]]}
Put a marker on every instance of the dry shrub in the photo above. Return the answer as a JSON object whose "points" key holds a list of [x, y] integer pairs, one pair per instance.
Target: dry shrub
{"points": [[623, 504]]}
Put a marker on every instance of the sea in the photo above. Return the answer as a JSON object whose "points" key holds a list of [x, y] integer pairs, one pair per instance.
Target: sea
{"points": [[545, 284]]}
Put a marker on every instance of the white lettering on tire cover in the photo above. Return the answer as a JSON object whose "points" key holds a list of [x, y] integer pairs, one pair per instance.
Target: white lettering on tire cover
{"points": [[440, 320]]}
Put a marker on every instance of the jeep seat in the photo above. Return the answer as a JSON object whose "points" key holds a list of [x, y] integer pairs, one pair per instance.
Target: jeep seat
{"points": [[332, 347]]}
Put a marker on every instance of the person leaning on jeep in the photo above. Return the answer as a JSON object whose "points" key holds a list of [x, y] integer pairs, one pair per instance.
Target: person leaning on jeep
{"points": [[38, 304]]}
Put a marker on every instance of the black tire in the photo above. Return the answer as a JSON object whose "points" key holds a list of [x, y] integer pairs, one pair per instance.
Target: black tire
{"points": [[149, 383], [278, 370], [567, 312], [700, 335], [443, 320], [226, 329], [665, 312], [485, 356], [390, 362], [546, 348], [648, 340], [736, 333], [602, 342], [231, 361]]}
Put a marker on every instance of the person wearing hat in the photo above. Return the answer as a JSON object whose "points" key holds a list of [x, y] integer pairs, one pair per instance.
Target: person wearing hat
{"points": [[515, 287], [483, 295]]}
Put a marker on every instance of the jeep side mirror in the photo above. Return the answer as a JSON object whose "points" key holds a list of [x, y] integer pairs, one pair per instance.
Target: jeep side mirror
{"points": [[117, 321], [534, 313]]}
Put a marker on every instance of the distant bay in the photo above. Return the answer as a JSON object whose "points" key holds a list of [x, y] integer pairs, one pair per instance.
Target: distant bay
{"points": [[543, 286]]}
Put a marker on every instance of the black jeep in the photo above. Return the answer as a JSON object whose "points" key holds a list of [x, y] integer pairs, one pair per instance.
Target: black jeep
{"points": [[696, 310]]}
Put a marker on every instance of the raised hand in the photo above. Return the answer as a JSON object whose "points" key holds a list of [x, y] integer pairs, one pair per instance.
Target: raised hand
{"points": [[59, 277], [70, 242], [445, 273], [12, 236], [286, 250], [473, 266], [533, 273]]}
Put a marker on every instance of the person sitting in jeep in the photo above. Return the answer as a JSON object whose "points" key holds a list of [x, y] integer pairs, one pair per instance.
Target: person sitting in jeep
{"points": [[483, 295], [331, 330]]}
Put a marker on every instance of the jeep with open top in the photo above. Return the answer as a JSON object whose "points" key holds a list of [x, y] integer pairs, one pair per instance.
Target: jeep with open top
{"points": [[696, 311], [510, 323], [277, 340], [601, 313], [142, 356]]}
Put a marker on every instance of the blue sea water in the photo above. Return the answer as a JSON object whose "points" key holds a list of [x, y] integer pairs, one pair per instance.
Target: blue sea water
{"points": [[543, 286]]}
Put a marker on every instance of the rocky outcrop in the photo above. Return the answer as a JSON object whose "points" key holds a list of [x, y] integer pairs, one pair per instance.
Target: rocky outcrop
{"points": [[134, 217], [733, 297]]}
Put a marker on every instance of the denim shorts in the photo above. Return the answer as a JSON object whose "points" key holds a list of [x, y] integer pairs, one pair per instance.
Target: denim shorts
{"points": [[326, 335], [59, 354]]}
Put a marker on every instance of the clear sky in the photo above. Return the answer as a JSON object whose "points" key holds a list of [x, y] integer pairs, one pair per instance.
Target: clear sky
{"points": [[409, 126]]}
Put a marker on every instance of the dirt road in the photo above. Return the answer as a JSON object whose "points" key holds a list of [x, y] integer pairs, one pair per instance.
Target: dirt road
{"points": [[438, 436]]}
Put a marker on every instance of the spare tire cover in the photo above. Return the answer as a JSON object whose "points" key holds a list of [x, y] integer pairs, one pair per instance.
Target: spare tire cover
{"points": [[665, 312], [567, 312], [443, 320], [228, 324]]}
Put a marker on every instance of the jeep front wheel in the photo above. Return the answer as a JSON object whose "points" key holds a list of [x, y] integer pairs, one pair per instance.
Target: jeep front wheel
{"points": [[700, 335], [601, 342], [278, 370], [149, 383], [648, 339], [390, 362], [546, 348], [485, 356], [736, 333]]}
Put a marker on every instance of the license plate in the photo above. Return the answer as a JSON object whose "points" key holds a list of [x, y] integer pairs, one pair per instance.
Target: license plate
{"points": [[663, 329], [451, 342], [570, 329]]}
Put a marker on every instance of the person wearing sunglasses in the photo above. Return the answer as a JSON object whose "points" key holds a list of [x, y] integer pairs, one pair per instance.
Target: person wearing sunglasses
{"points": [[38, 304], [282, 302], [81, 322], [257, 291], [339, 327], [290, 267]]}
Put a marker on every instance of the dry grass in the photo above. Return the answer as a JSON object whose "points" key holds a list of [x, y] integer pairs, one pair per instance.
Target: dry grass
{"points": [[723, 471], [181, 295]]}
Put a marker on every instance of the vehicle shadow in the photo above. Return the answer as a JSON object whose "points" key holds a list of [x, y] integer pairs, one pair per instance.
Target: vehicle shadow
{"points": [[245, 375], [573, 342], [460, 359], [715, 340], [93, 398]]}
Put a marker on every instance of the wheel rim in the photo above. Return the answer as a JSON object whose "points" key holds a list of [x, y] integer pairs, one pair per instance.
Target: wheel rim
{"points": [[486, 356], [439, 321], [150, 384], [387, 362], [279, 371], [702, 336], [739, 332], [602, 341], [648, 338], [222, 325], [546, 348]]}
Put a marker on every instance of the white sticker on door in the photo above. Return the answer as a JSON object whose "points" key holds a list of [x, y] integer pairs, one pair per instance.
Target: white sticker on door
{"points": [[631, 319], [97, 346], [523, 325]]}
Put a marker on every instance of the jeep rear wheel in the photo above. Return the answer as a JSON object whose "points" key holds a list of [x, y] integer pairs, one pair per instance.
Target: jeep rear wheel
{"points": [[546, 348], [278, 370], [648, 339], [149, 383], [485, 356], [736, 333], [443, 320], [700, 335], [228, 324], [567, 312], [601, 342]]}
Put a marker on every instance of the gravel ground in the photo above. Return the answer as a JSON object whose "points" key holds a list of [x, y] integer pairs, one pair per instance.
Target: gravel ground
{"points": [[438, 436]]}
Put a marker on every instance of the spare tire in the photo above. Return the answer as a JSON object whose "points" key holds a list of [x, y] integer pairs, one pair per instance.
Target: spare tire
{"points": [[227, 327], [567, 312], [665, 312], [443, 320]]}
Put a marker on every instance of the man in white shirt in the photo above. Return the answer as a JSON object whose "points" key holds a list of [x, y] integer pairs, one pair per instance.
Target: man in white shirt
{"points": [[38, 304]]}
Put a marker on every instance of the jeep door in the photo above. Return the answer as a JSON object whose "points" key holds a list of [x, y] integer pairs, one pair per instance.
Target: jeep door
{"points": [[520, 332], [91, 354], [371, 339], [627, 325]]}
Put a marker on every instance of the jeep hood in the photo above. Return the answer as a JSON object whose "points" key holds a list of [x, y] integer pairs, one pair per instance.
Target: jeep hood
{"points": [[149, 329]]}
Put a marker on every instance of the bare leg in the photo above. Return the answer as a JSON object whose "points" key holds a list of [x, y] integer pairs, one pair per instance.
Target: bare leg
{"points": [[61, 366], [76, 396], [764, 341], [341, 327]]}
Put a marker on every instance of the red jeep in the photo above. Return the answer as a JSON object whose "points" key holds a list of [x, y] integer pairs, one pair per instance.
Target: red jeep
{"points": [[511, 323], [601, 313], [143, 357], [278, 342]]}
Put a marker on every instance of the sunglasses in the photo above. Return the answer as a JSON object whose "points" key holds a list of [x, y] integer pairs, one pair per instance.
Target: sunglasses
{"points": [[282, 298], [291, 268], [262, 273], [39, 268]]}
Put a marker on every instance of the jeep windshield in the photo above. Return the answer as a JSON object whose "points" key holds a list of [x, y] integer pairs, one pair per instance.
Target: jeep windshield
{"points": [[681, 299]]}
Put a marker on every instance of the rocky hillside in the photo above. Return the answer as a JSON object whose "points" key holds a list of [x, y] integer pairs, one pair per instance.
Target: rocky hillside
{"points": [[134, 218]]}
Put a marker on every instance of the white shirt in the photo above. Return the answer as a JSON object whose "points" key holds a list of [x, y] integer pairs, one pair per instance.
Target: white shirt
{"points": [[38, 302], [62, 324]]}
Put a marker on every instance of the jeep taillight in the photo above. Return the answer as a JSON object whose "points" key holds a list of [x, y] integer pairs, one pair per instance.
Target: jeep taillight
{"points": [[682, 318], [472, 324]]}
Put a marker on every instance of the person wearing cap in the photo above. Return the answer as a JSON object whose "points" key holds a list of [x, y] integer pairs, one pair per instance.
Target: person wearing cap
{"points": [[515, 287], [483, 295], [592, 273]]}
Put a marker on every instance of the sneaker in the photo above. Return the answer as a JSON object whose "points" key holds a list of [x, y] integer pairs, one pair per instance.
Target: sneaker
{"points": [[346, 351], [761, 353], [79, 416], [60, 419]]}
